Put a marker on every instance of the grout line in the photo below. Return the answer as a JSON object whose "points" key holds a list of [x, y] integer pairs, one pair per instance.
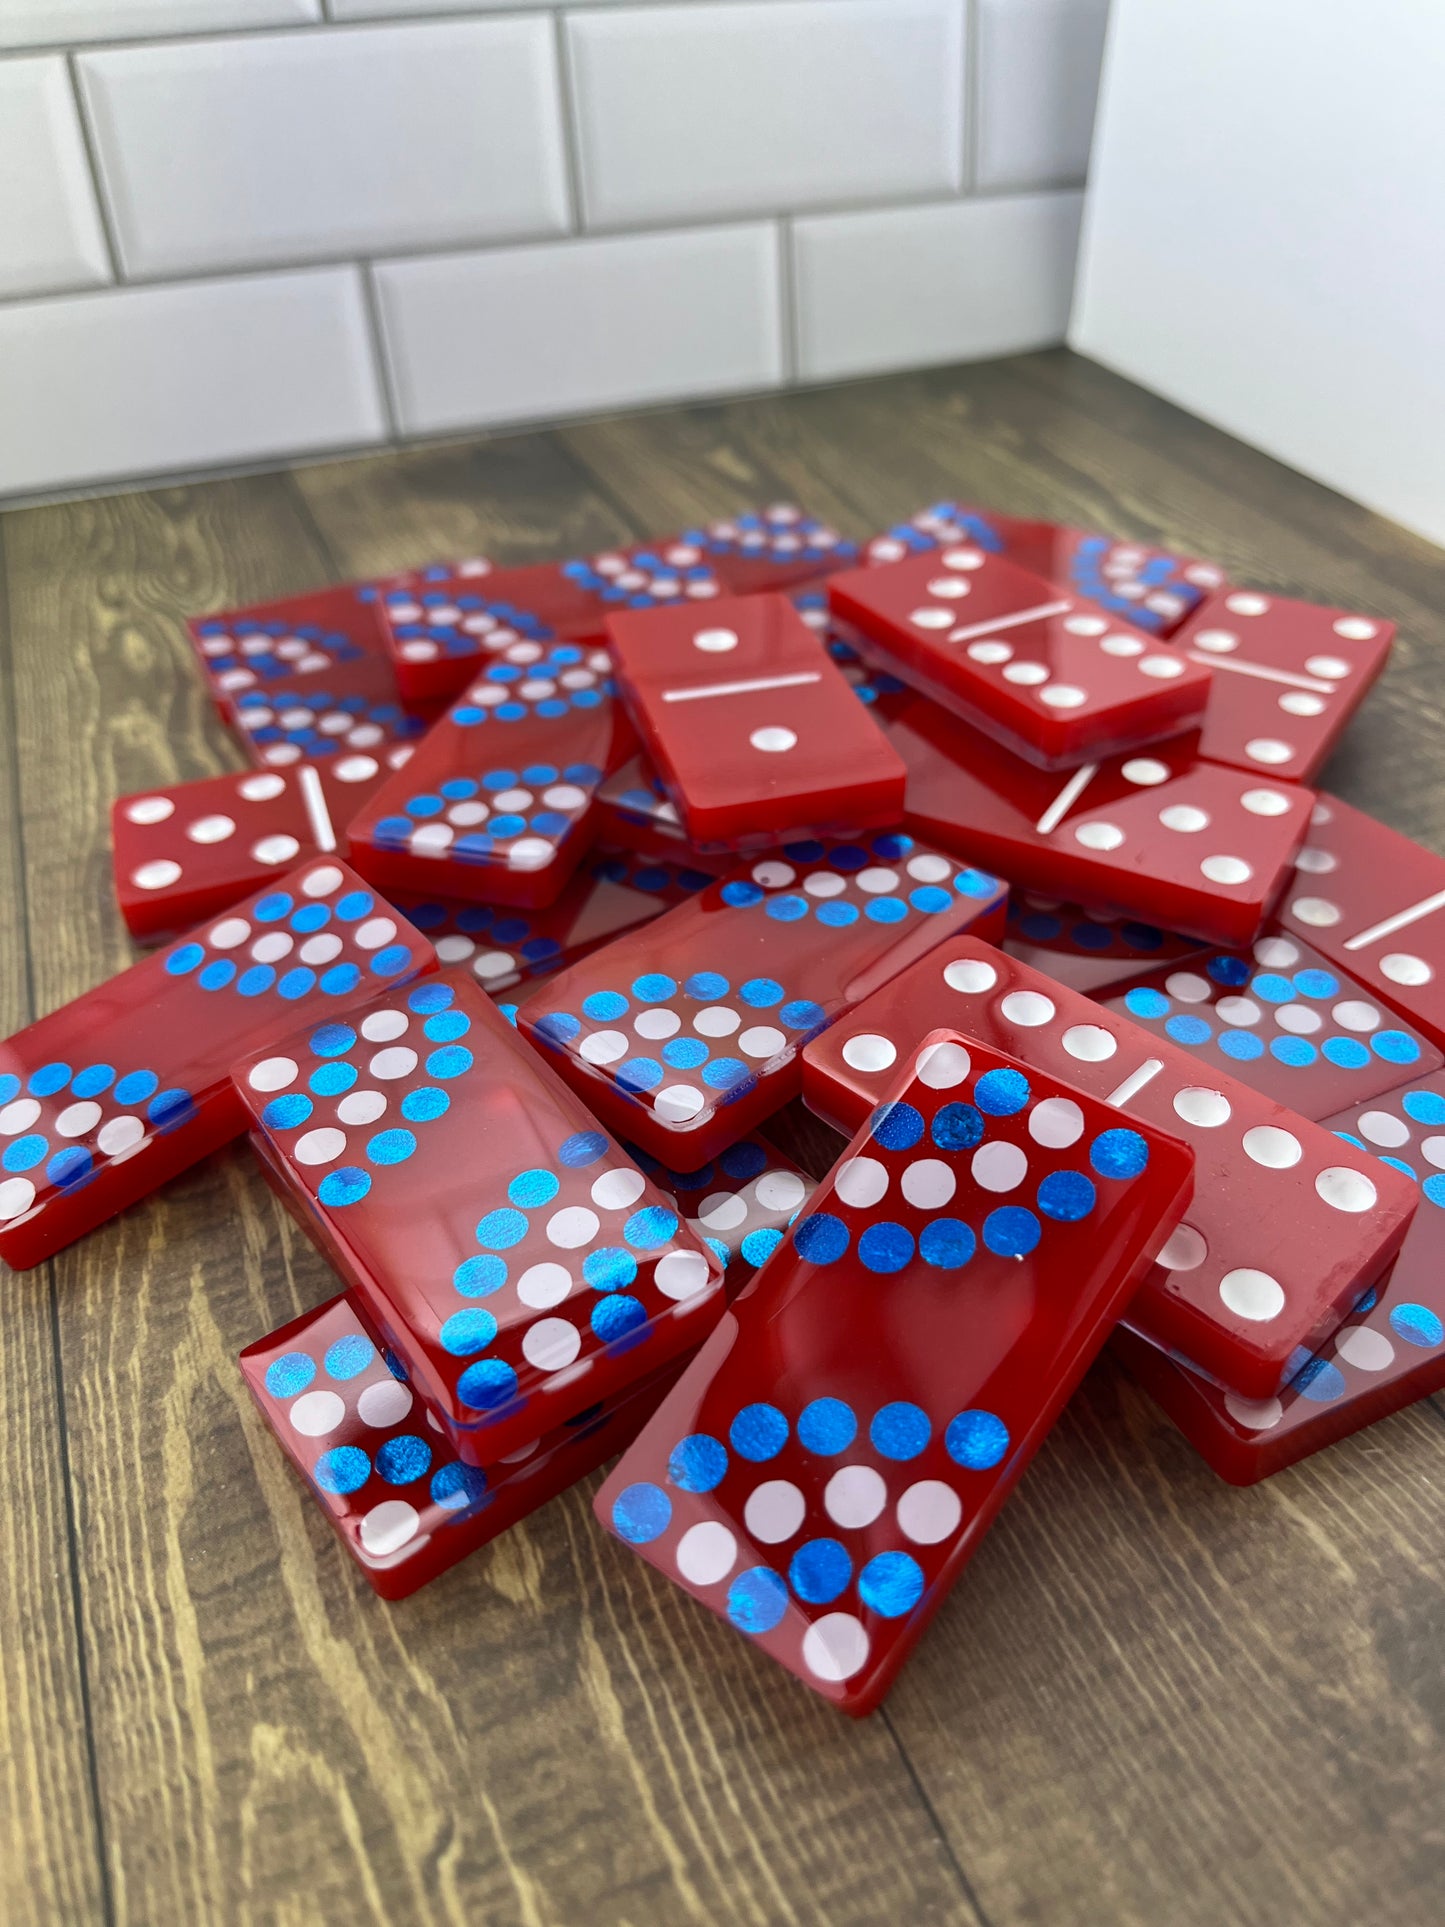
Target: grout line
{"points": [[970, 1894], [72, 1537], [376, 329], [571, 128], [93, 166], [972, 93], [789, 339]]}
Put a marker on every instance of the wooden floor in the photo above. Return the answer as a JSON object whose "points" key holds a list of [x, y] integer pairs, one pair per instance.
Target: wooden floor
{"points": [[1151, 1700]]}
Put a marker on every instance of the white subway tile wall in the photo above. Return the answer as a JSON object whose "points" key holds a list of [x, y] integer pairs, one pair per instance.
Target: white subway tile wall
{"points": [[560, 209]]}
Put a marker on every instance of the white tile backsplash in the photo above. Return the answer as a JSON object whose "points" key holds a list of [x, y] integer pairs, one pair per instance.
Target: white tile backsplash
{"points": [[695, 112], [903, 287], [1038, 75], [140, 381], [520, 334], [564, 207], [50, 232], [286, 147], [37, 23]]}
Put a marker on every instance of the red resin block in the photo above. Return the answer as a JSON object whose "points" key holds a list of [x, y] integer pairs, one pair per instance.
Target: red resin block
{"points": [[831, 1459], [497, 805], [686, 1035], [108, 1097], [635, 812], [375, 1456], [509, 1254], [186, 853], [1188, 845], [751, 726], [438, 629], [1088, 949], [739, 1203], [1371, 901], [1288, 676], [1389, 1352], [1051, 677], [1282, 1021], [503, 948], [1148, 587], [1288, 1225]]}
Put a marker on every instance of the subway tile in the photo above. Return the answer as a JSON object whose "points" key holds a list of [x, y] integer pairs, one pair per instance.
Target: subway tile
{"points": [[903, 287], [518, 334], [50, 233], [1038, 77], [142, 381], [44, 23], [701, 111], [285, 147]]}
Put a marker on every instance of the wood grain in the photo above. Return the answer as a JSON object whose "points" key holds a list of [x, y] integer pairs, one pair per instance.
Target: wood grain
{"points": [[1151, 1699]]}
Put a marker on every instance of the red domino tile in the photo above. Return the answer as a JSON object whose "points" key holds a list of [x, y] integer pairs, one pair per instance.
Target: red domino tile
{"points": [[739, 1203], [505, 947], [498, 804], [439, 629], [831, 1459], [686, 1035], [108, 1097], [1187, 845], [1281, 1020], [1149, 587], [1288, 676], [185, 853], [635, 812], [750, 724], [511, 1256], [375, 1456], [1048, 675], [1088, 949], [1389, 1352], [1288, 1225], [1373, 903]]}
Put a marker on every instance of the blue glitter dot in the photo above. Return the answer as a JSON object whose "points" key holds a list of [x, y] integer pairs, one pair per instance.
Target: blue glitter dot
{"points": [[604, 1006], [24, 1153], [957, 1127], [1426, 1107], [891, 1584], [976, 1440], [501, 1229], [758, 1433], [609, 1268], [740, 894], [533, 1188], [558, 1027], [1434, 1188], [638, 1074], [787, 909], [349, 1357], [900, 1431], [641, 1513], [821, 1239], [185, 959], [976, 883], [1001, 1093], [1346, 1053], [70, 1168], [819, 1570], [650, 1227], [761, 993], [344, 1186], [1273, 988], [256, 981], [1316, 983], [827, 1426], [706, 985], [1066, 1196], [581, 1149], [1417, 1325], [1395, 1164], [466, 1332], [616, 1316], [1188, 1030], [423, 1104], [1395, 1047], [743, 1161], [429, 997], [1241, 1045], [450, 1060], [757, 1600], [885, 1248], [684, 1053], [456, 1487], [296, 984], [330, 1080], [930, 899], [402, 1460], [218, 974], [1292, 1051], [698, 1463], [386, 963], [167, 1109], [135, 1087], [345, 1468], [1230, 971], [654, 988], [9, 1087], [837, 915], [310, 917], [354, 905], [885, 910], [447, 1026], [1011, 1231], [391, 1147], [946, 1243], [332, 1040], [290, 1374], [487, 1385], [90, 1082], [1146, 1003], [897, 1127], [1320, 1381], [1118, 1154], [758, 1246], [480, 1277], [271, 909], [49, 1079], [286, 1112]]}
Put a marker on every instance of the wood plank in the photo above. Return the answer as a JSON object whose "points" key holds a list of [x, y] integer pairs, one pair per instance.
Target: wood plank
{"points": [[538, 1738]]}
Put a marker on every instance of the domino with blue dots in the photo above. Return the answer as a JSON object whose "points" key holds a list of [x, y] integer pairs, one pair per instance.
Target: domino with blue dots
{"points": [[740, 1203], [833, 1456], [1089, 949]]}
